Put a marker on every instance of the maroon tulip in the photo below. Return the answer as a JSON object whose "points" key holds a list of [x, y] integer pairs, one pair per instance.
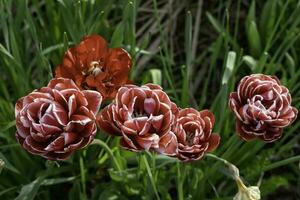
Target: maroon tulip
{"points": [[262, 106], [143, 116], [56, 120], [92, 65], [194, 134]]}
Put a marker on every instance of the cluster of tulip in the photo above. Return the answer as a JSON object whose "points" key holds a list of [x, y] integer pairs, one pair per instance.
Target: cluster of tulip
{"points": [[55, 120]]}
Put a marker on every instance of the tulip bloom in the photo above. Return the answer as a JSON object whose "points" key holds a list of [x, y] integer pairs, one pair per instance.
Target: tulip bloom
{"points": [[92, 65], [56, 120], [193, 130], [262, 107], [143, 117]]}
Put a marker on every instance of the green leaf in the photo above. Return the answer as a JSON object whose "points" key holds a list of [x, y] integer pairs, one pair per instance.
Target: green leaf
{"points": [[156, 76], [271, 184], [75, 191], [5, 52], [122, 176], [262, 62], [268, 19], [118, 36], [2, 164], [116, 175], [215, 23], [110, 194], [282, 163], [230, 63], [251, 13], [254, 39], [217, 50], [252, 32], [8, 165], [187, 69], [188, 42], [66, 42], [250, 61], [290, 62], [29, 191], [54, 181], [7, 190], [4, 126]]}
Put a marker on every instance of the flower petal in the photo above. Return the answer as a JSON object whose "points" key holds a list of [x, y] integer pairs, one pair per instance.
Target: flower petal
{"points": [[94, 99]]}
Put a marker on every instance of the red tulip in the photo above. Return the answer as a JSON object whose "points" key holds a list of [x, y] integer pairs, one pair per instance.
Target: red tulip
{"points": [[56, 120], [143, 117], [193, 130], [92, 65], [262, 107]]}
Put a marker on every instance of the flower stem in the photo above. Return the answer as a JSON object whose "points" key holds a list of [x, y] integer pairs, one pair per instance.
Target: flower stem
{"points": [[218, 158], [109, 151], [102, 152], [150, 176], [179, 182], [234, 171], [82, 176]]}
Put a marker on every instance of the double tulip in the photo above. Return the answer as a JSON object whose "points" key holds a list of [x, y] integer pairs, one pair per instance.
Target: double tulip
{"points": [[92, 65], [193, 130], [55, 120], [146, 119], [262, 107], [143, 117]]}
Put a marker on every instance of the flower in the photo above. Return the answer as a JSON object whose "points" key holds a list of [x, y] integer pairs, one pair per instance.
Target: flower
{"points": [[248, 193], [56, 120], [193, 130], [244, 192], [143, 117], [92, 65], [262, 106]]}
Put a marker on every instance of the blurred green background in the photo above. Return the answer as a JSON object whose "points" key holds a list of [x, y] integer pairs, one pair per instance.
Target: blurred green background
{"points": [[197, 50]]}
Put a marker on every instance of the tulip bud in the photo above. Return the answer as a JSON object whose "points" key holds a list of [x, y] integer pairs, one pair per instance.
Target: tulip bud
{"points": [[244, 193]]}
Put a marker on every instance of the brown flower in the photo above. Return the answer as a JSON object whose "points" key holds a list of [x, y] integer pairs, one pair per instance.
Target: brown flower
{"points": [[56, 120], [143, 116], [92, 65], [193, 130], [262, 106]]}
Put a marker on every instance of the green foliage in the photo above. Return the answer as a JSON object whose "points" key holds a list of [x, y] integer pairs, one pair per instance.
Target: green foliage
{"points": [[270, 185], [197, 50]]}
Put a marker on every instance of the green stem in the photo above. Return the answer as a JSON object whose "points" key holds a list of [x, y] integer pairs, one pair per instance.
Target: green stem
{"points": [[218, 158], [282, 163], [179, 182], [150, 176], [102, 152], [109, 151], [82, 176], [234, 171]]}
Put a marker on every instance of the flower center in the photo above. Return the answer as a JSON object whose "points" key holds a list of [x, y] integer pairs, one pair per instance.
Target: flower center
{"points": [[190, 138], [145, 109], [137, 114], [95, 68]]}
